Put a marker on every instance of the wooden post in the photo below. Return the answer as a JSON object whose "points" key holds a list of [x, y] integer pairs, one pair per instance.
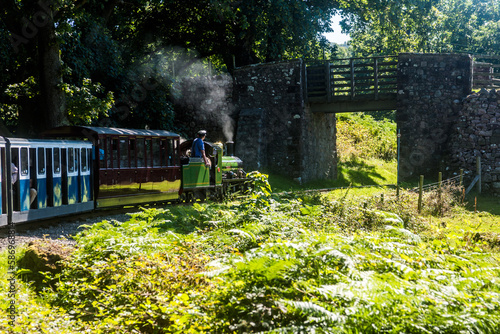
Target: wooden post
{"points": [[328, 82], [478, 171], [461, 177], [420, 186], [352, 78]]}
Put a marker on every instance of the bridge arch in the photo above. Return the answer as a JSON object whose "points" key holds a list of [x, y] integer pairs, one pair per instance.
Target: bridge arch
{"points": [[285, 124]]}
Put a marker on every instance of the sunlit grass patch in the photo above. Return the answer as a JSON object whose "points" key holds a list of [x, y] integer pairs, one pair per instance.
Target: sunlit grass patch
{"points": [[34, 315], [351, 173]]}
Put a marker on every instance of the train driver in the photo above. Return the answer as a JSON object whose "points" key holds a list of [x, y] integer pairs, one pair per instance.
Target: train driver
{"points": [[198, 147]]}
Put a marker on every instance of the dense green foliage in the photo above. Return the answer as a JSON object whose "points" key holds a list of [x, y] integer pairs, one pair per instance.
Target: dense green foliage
{"points": [[360, 136], [275, 264], [390, 27], [111, 62]]}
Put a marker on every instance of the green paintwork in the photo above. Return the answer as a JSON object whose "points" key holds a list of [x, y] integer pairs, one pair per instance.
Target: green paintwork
{"points": [[218, 171], [195, 174], [231, 163]]}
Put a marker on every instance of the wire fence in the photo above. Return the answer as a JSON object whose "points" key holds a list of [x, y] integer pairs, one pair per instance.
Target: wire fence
{"points": [[455, 180]]}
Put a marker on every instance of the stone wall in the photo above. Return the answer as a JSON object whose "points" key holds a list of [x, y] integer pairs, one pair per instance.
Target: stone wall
{"points": [[275, 89], [477, 133], [319, 146], [264, 110], [431, 88], [288, 138]]}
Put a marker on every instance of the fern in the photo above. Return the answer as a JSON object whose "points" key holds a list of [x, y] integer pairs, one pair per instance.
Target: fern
{"points": [[312, 309]]}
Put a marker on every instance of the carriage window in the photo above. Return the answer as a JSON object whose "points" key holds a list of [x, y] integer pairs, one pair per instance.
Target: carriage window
{"points": [[71, 160], [124, 153], [176, 152], [57, 161], [83, 159], [140, 152], [148, 152], [76, 156], [156, 152], [101, 155], [171, 152], [24, 161], [114, 152], [108, 152], [163, 152], [41, 161], [89, 158], [131, 145]]}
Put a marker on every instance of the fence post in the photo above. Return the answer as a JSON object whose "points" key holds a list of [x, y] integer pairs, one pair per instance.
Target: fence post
{"points": [[328, 82], [351, 63], [461, 177], [478, 171], [420, 186]]}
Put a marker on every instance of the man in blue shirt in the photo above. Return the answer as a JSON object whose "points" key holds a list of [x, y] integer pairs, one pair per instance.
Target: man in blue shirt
{"points": [[198, 147]]}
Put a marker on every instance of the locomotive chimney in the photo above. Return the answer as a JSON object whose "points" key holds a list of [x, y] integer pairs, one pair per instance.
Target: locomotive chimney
{"points": [[229, 148]]}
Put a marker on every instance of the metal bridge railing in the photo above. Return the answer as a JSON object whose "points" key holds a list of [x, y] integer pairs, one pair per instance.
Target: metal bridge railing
{"points": [[333, 80]]}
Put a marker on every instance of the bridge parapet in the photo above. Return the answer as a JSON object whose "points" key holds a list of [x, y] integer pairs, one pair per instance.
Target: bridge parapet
{"points": [[343, 84]]}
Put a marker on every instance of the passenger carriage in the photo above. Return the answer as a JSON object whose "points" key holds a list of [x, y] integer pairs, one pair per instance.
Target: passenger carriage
{"points": [[56, 174], [93, 167], [132, 166]]}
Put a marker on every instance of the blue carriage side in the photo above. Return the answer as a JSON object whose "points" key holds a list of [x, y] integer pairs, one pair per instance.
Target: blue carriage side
{"points": [[52, 178]]}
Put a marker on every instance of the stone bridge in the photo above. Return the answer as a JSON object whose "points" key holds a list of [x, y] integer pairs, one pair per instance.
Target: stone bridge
{"points": [[284, 112]]}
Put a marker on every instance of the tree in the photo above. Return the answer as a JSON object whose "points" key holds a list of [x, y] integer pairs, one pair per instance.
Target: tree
{"points": [[251, 31], [30, 27], [388, 27]]}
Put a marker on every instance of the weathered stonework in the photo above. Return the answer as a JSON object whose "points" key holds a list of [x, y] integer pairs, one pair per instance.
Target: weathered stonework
{"points": [[431, 88], [289, 138], [477, 134], [443, 127], [263, 110]]}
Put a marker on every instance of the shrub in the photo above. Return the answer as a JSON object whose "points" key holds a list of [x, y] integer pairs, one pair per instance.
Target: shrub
{"points": [[141, 293], [42, 256]]}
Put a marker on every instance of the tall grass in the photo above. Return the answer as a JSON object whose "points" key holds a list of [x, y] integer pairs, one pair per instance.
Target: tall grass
{"points": [[360, 136]]}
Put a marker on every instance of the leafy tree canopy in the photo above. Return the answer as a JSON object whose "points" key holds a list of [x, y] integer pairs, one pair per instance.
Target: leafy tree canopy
{"points": [[112, 62], [425, 26]]}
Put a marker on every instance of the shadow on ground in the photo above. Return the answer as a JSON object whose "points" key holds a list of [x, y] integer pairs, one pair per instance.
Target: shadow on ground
{"points": [[484, 202]]}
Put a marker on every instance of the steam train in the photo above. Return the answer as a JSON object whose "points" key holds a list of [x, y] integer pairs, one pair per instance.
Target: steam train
{"points": [[95, 167]]}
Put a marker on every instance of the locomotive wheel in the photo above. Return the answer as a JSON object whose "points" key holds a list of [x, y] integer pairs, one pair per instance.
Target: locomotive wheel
{"points": [[190, 197], [201, 195]]}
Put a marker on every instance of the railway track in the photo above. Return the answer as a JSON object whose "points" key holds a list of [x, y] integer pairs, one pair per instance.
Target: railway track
{"points": [[63, 228], [66, 227]]}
